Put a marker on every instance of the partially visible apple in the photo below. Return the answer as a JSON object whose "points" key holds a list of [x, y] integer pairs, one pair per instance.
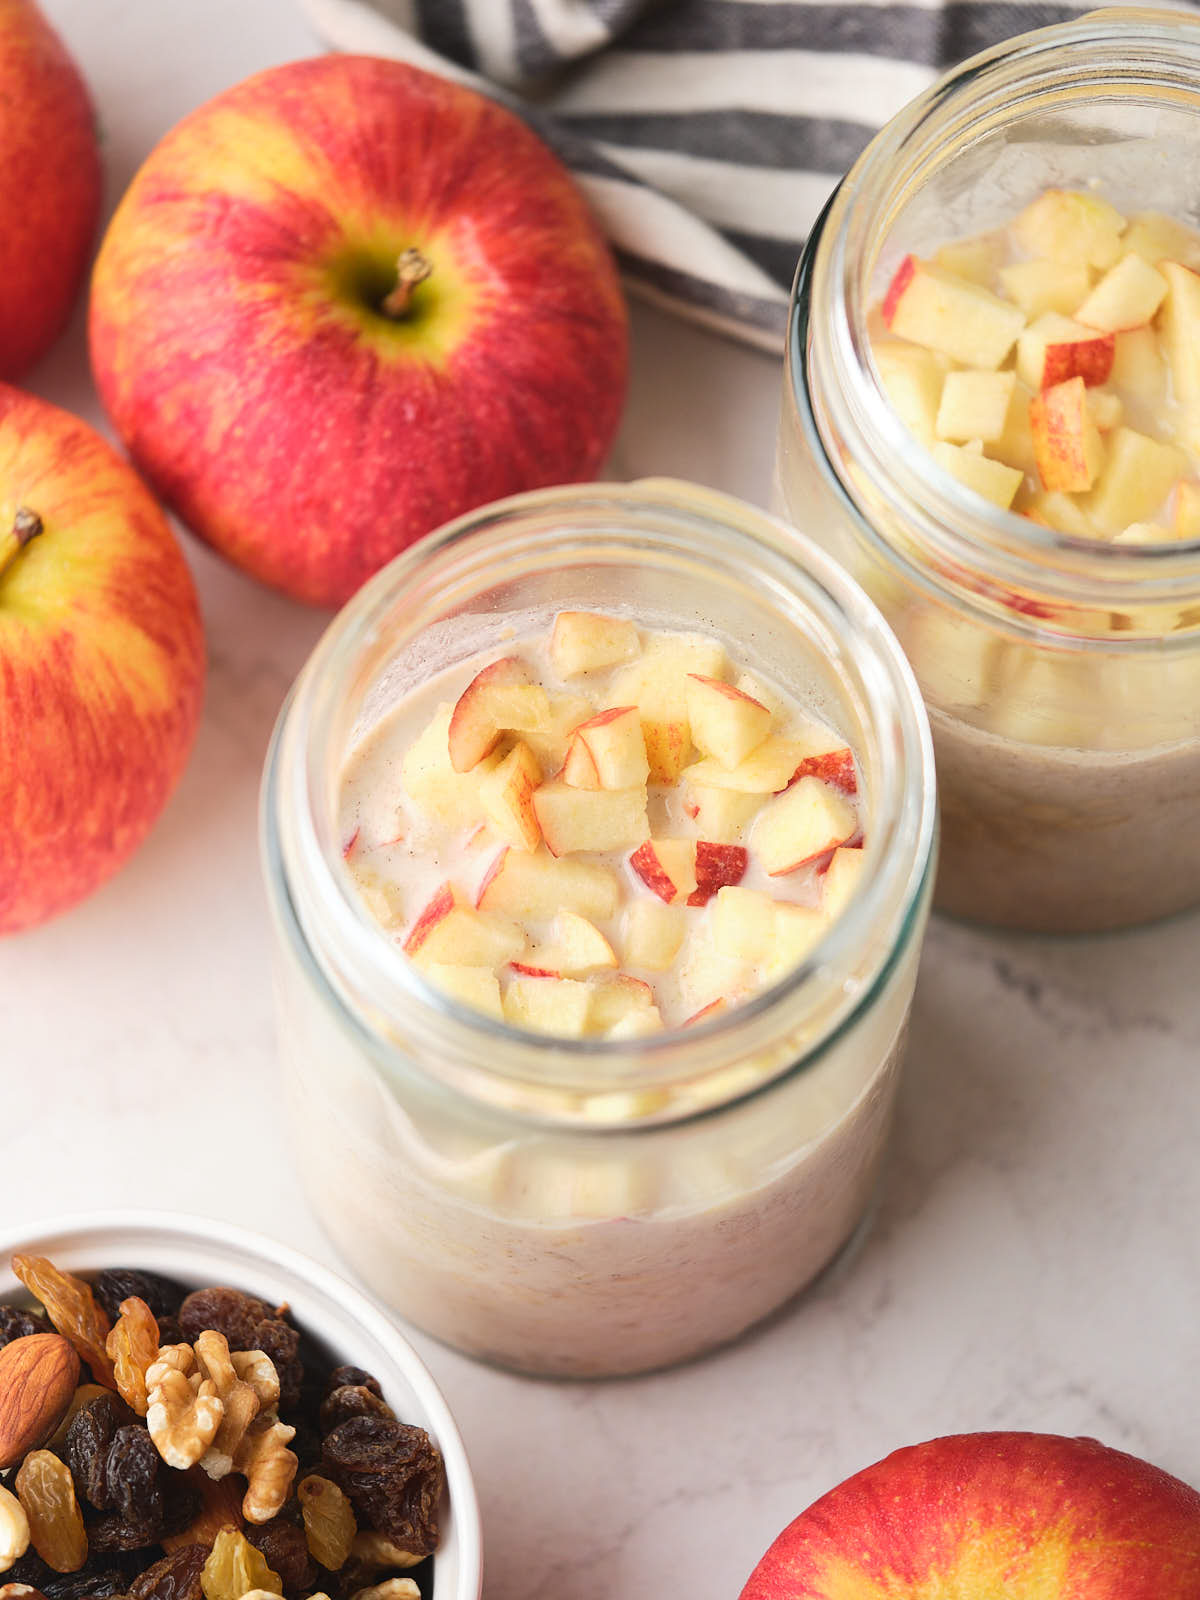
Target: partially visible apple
{"points": [[101, 660], [50, 191], [346, 301], [1024, 1516]]}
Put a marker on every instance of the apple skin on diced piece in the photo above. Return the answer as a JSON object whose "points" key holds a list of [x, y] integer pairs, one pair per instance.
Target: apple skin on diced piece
{"points": [[912, 379], [805, 822], [614, 742], [579, 769], [725, 723], [477, 987], [1066, 439], [831, 766], [440, 793], [450, 932], [652, 933], [1055, 348], [537, 886], [1138, 475], [506, 794], [974, 405], [719, 814], [932, 308], [1180, 329], [1041, 286], [708, 1013], [589, 819], [1126, 297], [992, 480], [1062, 225], [475, 730], [717, 866], [585, 641], [667, 867], [557, 1006]]}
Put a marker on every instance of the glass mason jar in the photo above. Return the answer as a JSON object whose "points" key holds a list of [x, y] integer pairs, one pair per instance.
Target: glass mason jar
{"points": [[594, 1207], [1061, 675]]}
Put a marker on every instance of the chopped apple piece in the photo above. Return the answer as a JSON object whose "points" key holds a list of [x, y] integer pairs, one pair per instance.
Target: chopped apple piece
{"points": [[1126, 297], [1180, 329], [584, 641], [1041, 286], [725, 723], [1060, 512], [798, 930], [538, 886], [1185, 517], [1139, 369], [667, 867], [975, 259], [974, 405], [657, 685], [577, 947], [743, 924], [385, 901], [832, 766], [717, 865], [933, 308], [1144, 533], [1066, 439], [1066, 226], [991, 479], [1015, 445], [765, 770], [579, 769], [623, 1007], [801, 824], [719, 814], [912, 379], [589, 819], [706, 974], [549, 744], [652, 934], [448, 931], [506, 794], [707, 1013], [476, 987], [548, 1005], [757, 690], [840, 880], [1054, 348], [1107, 409], [1138, 475], [1157, 238], [477, 722], [438, 792], [613, 739]]}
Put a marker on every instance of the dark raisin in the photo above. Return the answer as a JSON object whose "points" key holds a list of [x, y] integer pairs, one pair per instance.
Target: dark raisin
{"points": [[169, 1331], [286, 1550], [131, 1486], [393, 1475], [111, 1576], [248, 1324], [87, 1443], [161, 1294], [352, 1377], [18, 1324], [175, 1577], [306, 1445], [352, 1400]]}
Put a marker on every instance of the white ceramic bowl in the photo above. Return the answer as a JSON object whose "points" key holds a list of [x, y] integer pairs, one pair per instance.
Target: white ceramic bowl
{"points": [[200, 1253]]}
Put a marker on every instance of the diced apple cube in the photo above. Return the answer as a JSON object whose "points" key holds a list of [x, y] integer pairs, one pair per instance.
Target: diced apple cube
{"points": [[706, 974], [719, 814], [657, 684], [1137, 477], [1054, 348], [975, 259], [623, 1007], [801, 824], [438, 792], [974, 405], [589, 819], [385, 901], [1185, 519], [585, 641], [765, 770], [840, 880], [725, 723], [912, 379], [449, 931], [797, 932], [1041, 286], [486, 708], [933, 308], [757, 690], [576, 948], [743, 924], [991, 479], [1144, 533], [1180, 328], [579, 769], [1015, 445], [652, 934], [613, 739], [549, 744], [1157, 238], [506, 795], [667, 867], [477, 987], [1066, 226], [537, 886], [548, 1005], [831, 766], [1107, 409], [716, 866], [1060, 512], [1066, 439], [1126, 297], [1139, 370]]}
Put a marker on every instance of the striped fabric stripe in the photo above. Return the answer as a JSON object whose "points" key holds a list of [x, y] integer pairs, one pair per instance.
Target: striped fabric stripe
{"points": [[707, 134]]}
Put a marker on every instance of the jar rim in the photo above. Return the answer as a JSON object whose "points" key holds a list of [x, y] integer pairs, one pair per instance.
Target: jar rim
{"points": [[955, 524], [308, 882]]}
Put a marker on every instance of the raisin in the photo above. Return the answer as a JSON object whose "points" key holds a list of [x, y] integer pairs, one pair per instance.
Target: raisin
{"points": [[219, 1505], [329, 1524], [88, 1438], [162, 1295], [97, 1579], [234, 1567], [131, 1486], [47, 1494], [352, 1377], [72, 1309], [18, 1324], [132, 1347], [352, 1400], [175, 1577], [285, 1550], [248, 1324], [393, 1475], [169, 1331]]}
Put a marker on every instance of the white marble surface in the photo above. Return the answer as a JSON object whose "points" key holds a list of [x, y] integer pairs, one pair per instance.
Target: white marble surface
{"points": [[1036, 1258]]}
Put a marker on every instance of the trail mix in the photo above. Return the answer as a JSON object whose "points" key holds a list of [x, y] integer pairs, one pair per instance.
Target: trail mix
{"points": [[166, 1445]]}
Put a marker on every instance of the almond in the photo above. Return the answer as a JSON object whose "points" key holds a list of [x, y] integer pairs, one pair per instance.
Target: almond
{"points": [[38, 1375]]}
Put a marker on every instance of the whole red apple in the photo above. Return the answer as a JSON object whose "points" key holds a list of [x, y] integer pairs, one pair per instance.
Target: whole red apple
{"points": [[344, 302], [49, 185], [101, 660], [993, 1516]]}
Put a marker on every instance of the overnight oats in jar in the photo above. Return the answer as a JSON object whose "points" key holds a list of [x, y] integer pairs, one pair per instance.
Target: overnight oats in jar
{"points": [[598, 837], [992, 419]]}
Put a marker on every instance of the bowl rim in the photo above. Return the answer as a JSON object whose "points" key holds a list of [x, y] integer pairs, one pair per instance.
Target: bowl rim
{"points": [[284, 1259]]}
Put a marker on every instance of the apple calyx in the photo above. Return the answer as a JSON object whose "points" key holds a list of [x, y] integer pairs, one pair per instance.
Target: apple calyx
{"points": [[412, 268], [25, 529]]}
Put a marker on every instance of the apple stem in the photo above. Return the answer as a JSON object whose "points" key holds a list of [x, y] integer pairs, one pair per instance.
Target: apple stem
{"points": [[411, 269], [25, 529]]}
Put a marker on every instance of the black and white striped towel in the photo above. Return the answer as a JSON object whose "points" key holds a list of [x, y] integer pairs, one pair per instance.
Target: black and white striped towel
{"points": [[707, 134]]}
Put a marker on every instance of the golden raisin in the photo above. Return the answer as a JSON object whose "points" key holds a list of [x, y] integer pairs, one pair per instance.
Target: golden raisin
{"points": [[46, 1491], [132, 1346], [234, 1567], [73, 1310], [329, 1524]]}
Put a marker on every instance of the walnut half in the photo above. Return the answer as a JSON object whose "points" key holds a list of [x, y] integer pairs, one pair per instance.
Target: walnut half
{"points": [[184, 1410]]}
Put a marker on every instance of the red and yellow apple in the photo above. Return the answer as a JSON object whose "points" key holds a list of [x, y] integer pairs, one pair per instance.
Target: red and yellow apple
{"points": [[101, 660], [344, 302], [50, 163], [976, 1516]]}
